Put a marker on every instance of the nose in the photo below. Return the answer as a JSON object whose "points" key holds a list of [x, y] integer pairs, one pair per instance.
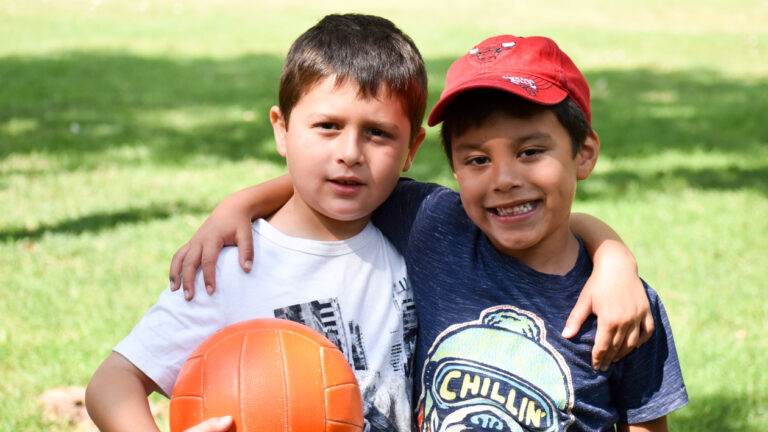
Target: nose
{"points": [[506, 175], [350, 149]]}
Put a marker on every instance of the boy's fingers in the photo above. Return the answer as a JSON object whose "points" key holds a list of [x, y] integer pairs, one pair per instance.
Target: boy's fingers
{"points": [[600, 347], [647, 328], [210, 254], [580, 312], [214, 424], [612, 354], [244, 242], [606, 346], [188, 270], [630, 343], [625, 349], [174, 274]]}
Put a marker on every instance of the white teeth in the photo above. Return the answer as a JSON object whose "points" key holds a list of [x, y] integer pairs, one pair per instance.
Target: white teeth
{"points": [[516, 210]]}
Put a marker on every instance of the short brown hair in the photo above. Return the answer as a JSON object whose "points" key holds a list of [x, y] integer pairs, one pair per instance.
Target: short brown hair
{"points": [[368, 49]]}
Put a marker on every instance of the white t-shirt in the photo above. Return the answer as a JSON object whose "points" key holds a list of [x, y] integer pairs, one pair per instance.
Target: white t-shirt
{"points": [[354, 291]]}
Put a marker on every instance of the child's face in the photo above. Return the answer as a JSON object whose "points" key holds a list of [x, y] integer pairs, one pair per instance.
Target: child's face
{"points": [[517, 179], [344, 152]]}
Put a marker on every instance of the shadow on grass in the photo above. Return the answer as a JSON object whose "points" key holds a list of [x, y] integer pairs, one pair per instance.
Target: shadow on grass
{"points": [[614, 184], [96, 222], [83, 106], [90, 108]]}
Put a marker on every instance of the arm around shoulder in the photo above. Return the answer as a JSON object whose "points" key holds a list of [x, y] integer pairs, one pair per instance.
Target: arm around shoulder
{"points": [[229, 224], [116, 396], [614, 293]]}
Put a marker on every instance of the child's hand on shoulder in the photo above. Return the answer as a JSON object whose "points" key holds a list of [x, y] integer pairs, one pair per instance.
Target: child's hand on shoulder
{"points": [[228, 225], [616, 295]]}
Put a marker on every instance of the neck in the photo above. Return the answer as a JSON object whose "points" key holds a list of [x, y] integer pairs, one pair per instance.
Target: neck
{"points": [[555, 255], [297, 219]]}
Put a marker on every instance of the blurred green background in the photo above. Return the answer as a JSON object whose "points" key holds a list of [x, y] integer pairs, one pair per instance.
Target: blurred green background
{"points": [[123, 123]]}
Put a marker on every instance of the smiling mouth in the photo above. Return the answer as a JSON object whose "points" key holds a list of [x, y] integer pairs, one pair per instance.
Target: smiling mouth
{"points": [[347, 182], [515, 210]]}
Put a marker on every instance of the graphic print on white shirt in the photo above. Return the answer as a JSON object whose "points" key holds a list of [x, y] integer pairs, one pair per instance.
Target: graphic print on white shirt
{"points": [[379, 384]]}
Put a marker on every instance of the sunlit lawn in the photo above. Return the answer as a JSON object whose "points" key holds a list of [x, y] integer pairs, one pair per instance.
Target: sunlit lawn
{"points": [[123, 123]]}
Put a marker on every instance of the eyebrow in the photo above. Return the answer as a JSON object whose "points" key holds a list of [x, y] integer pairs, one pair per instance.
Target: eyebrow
{"points": [[467, 146], [535, 136]]}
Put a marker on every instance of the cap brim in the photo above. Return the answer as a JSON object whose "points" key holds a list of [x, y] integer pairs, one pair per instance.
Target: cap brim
{"points": [[546, 94]]}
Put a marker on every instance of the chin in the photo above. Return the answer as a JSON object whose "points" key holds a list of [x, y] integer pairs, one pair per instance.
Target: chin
{"points": [[347, 216], [513, 246]]}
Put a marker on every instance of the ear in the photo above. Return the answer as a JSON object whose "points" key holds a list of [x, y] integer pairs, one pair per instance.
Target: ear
{"points": [[279, 129], [587, 155], [417, 140]]}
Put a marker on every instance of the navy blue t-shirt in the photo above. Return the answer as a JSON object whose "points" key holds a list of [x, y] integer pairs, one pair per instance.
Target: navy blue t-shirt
{"points": [[489, 353]]}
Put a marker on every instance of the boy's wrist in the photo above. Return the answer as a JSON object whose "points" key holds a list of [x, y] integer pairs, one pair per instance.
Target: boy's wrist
{"points": [[616, 256]]}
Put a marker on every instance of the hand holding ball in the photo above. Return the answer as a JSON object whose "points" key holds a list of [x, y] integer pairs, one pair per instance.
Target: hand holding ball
{"points": [[269, 375]]}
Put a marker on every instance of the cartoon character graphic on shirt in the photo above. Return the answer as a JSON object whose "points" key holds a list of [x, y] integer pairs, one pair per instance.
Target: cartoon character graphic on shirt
{"points": [[497, 373]]}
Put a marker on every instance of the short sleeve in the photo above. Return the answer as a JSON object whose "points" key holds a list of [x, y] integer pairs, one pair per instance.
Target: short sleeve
{"points": [[650, 384], [168, 333]]}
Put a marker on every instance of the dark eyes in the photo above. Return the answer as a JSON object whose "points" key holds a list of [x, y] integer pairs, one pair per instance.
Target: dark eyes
{"points": [[530, 152], [374, 132], [484, 160], [378, 133], [479, 160], [327, 125]]}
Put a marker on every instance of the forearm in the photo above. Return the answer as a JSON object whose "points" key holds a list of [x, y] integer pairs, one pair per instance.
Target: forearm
{"points": [[263, 199], [602, 243], [116, 397]]}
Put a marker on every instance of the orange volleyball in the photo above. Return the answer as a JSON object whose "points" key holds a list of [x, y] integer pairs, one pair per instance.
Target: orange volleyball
{"points": [[269, 375]]}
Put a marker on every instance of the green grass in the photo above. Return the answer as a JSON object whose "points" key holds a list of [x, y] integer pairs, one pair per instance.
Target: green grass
{"points": [[123, 123]]}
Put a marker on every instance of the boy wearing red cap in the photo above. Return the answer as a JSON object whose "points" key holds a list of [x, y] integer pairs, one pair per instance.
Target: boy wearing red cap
{"points": [[516, 129], [496, 268]]}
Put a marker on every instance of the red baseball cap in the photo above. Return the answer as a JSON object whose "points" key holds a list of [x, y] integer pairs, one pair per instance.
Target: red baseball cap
{"points": [[533, 68]]}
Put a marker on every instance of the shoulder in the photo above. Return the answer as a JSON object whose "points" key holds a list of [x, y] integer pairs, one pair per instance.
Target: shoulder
{"points": [[444, 204], [415, 193], [228, 268], [663, 328], [661, 339], [657, 305], [376, 249]]}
